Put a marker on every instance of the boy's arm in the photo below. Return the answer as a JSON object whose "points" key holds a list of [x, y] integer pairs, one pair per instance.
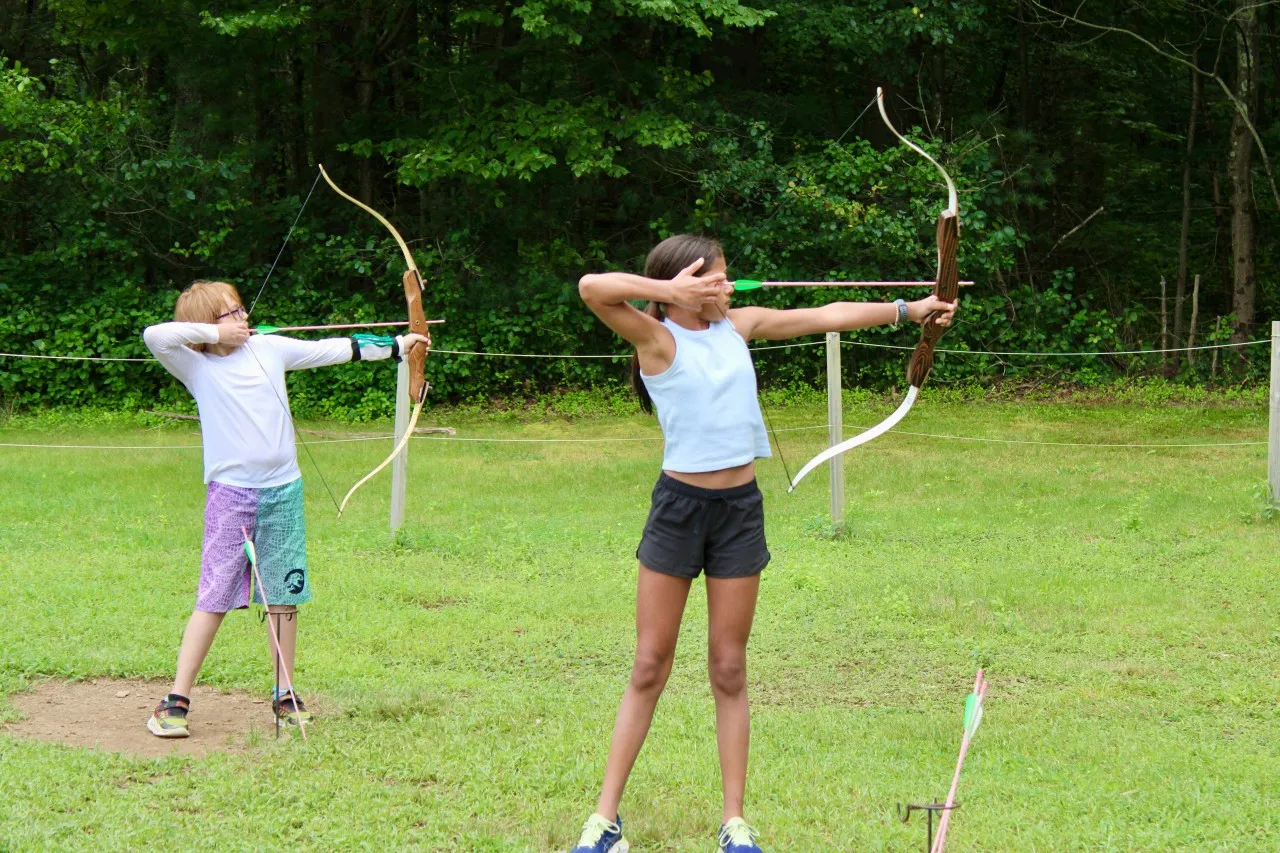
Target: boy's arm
{"points": [[168, 343], [305, 355]]}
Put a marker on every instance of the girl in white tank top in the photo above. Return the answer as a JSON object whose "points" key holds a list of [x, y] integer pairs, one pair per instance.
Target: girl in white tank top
{"points": [[692, 365]]}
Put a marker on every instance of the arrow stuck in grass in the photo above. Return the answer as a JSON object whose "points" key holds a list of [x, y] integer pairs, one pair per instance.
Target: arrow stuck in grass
{"points": [[972, 718]]}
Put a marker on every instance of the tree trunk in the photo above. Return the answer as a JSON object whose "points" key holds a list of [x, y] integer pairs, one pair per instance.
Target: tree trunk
{"points": [[1243, 212], [1217, 338], [263, 153], [1220, 216], [1164, 326], [297, 119], [1179, 331], [327, 97], [156, 80], [1024, 76], [1191, 332], [19, 30]]}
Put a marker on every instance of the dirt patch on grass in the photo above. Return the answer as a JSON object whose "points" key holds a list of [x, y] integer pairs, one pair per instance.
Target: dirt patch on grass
{"points": [[112, 715]]}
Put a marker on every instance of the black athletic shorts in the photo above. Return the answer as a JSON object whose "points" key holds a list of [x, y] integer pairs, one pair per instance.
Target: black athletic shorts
{"points": [[691, 529]]}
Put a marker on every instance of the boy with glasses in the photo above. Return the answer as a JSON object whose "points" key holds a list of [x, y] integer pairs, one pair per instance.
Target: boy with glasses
{"points": [[251, 470]]}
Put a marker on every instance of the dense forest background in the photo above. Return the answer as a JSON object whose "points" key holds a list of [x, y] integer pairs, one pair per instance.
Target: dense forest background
{"points": [[1106, 154]]}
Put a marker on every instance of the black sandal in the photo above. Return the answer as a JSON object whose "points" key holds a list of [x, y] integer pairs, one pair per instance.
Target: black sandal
{"points": [[290, 710]]}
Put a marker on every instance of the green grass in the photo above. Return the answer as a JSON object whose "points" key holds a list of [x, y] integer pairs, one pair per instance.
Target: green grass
{"points": [[1123, 600]]}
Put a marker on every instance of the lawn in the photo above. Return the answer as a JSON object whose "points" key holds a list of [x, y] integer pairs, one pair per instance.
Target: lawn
{"points": [[1123, 601]]}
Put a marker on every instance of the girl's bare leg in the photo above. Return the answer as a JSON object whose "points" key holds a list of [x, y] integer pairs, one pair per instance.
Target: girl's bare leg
{"points": [[660, 601], [731, 607]]}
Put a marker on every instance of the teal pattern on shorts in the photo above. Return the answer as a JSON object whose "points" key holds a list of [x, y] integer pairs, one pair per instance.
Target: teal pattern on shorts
{"points": [[274, 519]]}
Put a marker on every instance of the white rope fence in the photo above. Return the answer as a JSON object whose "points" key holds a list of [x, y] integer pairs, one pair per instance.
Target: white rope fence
{"points": [[652, 438], [387, 437], [488, 354], [1063, 354], [835, 428], [72, 357]]}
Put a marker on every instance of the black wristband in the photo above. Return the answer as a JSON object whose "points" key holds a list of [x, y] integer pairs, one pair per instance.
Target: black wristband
{"points": [[355, 350]]}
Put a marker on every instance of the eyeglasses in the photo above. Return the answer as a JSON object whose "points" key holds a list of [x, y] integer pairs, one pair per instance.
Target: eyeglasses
{"points": [[237, 313]]}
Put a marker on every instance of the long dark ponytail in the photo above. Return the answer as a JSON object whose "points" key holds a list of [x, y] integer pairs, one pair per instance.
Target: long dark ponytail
{"points": [[665, 262]]}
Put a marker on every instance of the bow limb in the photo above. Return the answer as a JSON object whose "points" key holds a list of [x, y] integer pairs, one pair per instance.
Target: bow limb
{"points": [[416, 357], [953, 199], [404, 247], [413, 290], [400, 445], [947, 278], [861, 438], [946, 287]]}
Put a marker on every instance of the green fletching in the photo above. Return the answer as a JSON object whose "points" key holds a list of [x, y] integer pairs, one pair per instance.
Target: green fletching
{"points": [[250, 553], [266, 330], [367, 339], [972, 714], [747, 284]]}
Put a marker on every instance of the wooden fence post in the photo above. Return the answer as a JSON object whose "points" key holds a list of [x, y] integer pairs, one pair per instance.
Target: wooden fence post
{"points": [[1273, 436], [1164, 328], [400, 467], [835, 426]]}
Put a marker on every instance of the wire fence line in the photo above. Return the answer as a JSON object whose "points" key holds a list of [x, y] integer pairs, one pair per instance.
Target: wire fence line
{"points": [[387, 437], [869, 344], [627, 439], [653, 438], [73, 357], [1065, 354]]}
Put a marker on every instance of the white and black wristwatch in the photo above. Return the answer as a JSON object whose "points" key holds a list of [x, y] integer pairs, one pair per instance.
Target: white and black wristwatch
{"points": [[901, 305]]}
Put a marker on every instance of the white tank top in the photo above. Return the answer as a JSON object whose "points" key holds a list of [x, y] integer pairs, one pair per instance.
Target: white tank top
{"points": [[706, 401]]}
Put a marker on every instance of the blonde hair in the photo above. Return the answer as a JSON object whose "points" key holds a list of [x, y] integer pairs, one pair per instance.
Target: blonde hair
{"points": [[202, 302]]}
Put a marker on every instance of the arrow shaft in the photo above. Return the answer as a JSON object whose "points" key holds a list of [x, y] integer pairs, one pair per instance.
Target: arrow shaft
{"points": [[754, 285], [275, 329], [272, 629], [939, 841], [941, 838]]}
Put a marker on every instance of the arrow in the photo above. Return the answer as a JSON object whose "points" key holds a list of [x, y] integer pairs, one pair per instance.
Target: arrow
{"points": [[751, 284], [972, 717], [271, 330]]}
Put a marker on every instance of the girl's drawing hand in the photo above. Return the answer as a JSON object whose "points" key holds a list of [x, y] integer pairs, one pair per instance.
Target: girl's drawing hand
{"points": [[692, 291]]}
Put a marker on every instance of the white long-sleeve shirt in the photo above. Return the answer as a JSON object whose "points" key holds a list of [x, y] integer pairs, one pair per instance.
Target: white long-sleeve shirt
{"points": [[242, 398]]}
